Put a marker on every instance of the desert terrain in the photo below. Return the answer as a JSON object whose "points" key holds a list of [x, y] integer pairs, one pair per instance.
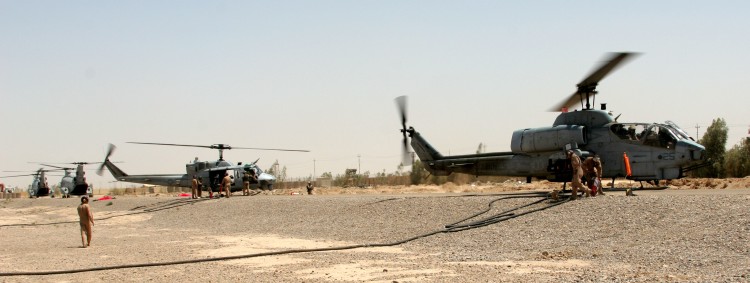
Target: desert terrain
{"points": [[697, 230]]}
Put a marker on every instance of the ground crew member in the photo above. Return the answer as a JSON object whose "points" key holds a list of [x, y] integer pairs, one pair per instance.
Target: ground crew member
{"points": [[592, 168], [309, 188], [246, 184], [227, 184], [196, 189], [200, 187], [86, 219], [575, 163]]}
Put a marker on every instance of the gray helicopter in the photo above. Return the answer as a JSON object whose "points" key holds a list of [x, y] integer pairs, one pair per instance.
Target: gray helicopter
{"points": [[75, 185], [210, 173], [655, 151], [39, 186]]}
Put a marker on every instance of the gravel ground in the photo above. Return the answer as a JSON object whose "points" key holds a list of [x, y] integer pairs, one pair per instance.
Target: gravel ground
{"points": [[656, 236]]}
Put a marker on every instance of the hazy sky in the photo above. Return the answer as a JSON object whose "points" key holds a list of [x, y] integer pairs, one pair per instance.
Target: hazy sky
{"points": [[322, 76]]}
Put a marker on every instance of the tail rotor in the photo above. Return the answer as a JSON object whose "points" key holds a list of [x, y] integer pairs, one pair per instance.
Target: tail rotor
{"points": [[111, 149], [405, 155]]}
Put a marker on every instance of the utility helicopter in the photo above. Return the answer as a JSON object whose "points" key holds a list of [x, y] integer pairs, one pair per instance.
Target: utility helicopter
{"points": [[210, 173], [39, 186], [75, 185], [656, 151]]}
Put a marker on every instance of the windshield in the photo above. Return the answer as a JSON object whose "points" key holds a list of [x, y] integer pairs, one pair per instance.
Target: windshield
{"points": [[681, 134], [254, 168]]}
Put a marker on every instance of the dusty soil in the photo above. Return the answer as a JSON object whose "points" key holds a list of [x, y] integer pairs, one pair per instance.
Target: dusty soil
{"points": [[696, 231]]}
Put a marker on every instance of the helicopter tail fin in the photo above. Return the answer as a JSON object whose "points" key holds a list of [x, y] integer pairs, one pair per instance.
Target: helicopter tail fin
{"points": [[422, 148], [116, 171]]}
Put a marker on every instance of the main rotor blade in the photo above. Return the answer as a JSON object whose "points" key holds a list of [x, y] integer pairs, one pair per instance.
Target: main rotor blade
{"points": [[588, 85], [18, 175], [220, 146], [173, 144], [75, 163], [615, 60], [59, 167], [276, 149]]}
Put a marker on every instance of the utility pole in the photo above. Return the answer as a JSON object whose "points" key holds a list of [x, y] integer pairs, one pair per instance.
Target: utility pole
{"points": [[314, 174], [359, 165], [696, 130]]}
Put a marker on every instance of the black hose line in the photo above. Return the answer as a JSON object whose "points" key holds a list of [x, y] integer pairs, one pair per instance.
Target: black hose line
{"points": [[503, 216], [174, 204]]}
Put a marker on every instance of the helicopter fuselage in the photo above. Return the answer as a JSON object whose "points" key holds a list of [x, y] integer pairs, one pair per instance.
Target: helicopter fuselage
{"points": [[39, 186], [209, 173], [657, 151], [75, 184]]}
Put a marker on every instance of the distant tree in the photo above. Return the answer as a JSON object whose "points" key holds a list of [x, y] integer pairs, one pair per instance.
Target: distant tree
{"points": [[737, 160], [715, 141], [400, 169], [418, 173], [326, 175], [274, 170]]}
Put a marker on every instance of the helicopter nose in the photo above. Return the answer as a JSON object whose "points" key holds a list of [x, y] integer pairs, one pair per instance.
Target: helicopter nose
{"points": [[697, 154], [697, 151], [266, 177]]}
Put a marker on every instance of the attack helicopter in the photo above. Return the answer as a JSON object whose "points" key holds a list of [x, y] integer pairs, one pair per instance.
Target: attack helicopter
{"points": [[656, 151], [210, 173], [39, 186], [74, 184]]}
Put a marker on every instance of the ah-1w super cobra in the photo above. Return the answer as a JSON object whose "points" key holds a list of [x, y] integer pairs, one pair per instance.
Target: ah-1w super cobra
{"points": [[210, 173], [656, 151]]}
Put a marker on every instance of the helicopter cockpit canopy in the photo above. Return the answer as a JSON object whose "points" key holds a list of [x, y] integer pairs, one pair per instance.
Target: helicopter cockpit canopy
{"points": [[658, 135], [253, 167]]}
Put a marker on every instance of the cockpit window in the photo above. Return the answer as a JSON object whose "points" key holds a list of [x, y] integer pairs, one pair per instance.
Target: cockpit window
{"points": [[628, 131], [679, 132], [254, 168], [659, 135]]}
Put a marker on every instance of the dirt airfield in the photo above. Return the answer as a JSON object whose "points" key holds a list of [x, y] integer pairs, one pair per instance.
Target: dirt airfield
{"points": [[698, 230]]}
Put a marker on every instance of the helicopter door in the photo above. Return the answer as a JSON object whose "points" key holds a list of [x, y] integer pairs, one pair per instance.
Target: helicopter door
{"points": [[215, 178], [237, 182]]}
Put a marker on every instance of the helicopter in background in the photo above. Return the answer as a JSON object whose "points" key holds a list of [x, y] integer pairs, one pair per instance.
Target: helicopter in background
{"points": [[39, 186], [656, 151], [75, 185], [210, 173], [6, 189]]}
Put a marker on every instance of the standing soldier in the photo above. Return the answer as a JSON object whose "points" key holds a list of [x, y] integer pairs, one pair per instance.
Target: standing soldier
{"points": [[200, 187], [86, 219], [227, 184], [575, 163], [246, 184], [196, 189]]}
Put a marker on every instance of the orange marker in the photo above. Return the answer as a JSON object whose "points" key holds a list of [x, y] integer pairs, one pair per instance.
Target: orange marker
{"points": [[627, 164]]}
